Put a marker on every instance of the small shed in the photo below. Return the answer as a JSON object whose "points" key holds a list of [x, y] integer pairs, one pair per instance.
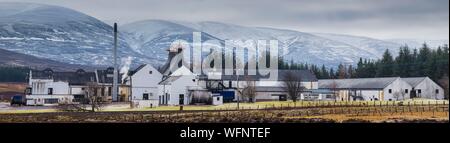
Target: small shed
{"points": [[217, 99]]}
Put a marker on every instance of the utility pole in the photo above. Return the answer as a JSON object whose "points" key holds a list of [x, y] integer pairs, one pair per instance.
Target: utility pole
{"points": [[115, 77], [239, 93]]}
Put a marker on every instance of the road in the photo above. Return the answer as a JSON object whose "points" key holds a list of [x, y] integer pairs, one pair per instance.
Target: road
{"points": [[6, 106]]}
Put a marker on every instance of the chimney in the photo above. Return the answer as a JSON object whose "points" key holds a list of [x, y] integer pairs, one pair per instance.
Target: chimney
{"points": [[115, 77]]}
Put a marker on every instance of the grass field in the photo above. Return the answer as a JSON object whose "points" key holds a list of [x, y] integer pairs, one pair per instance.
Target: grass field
{"points": [[248, 106], [290, 104], [372, 114]]}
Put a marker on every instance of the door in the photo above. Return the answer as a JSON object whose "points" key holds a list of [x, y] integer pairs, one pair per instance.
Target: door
{"points": [[181, 99]]}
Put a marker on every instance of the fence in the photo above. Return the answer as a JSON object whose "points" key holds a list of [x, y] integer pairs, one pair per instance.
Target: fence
{"points": [[330, 104]]}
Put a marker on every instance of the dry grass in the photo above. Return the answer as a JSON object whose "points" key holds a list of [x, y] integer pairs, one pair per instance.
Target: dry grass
{"points": [[385, 117], [12, 87], [290, 104], [247, 116]]}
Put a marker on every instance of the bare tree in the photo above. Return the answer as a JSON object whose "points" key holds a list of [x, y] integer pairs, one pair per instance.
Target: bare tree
{"points": [[249, 90], [397, 95], [293, 85], [334, 89], [95, 99]]}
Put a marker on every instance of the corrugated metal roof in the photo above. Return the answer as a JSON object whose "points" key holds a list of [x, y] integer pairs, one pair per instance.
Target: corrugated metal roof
{"points": [[106, 76], [80, 77], [305, 75], [357, 83], [269, 89], [169, 80], [414, 81]]}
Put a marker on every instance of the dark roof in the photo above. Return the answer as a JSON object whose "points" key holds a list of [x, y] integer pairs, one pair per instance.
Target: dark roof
{"points": [[80, 77], [136, 70], [357, 83], [414, 81], [169, 80], [305, 75], [282, 89], [106, 76], [270, 89]]}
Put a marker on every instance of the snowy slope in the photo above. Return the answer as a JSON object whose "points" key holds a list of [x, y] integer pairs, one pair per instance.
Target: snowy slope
{"points": [[415, 43], [68, 36], [374, 46], [297, 46], [154, 37], [58, 34]]}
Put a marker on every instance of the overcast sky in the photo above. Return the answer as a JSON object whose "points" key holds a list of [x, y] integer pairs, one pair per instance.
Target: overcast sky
{"points": [[383, 19]]}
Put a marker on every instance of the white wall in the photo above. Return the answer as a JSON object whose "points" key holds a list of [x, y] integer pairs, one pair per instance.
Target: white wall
{"points": [[428, 89], [370, 95], [179, 86], [307, 85], [77, 90], [268, 96], [397, 86], [40, 87], [145, 81]]}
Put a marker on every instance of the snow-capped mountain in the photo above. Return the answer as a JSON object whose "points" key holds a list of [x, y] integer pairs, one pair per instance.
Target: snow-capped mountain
{"points": [[9, 58], [415, 43], [68, 36], [154, 37], [374, 46], [58, 34], [297, 46]]}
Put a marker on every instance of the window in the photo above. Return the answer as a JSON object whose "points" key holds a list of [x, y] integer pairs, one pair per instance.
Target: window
{"points": [[419, 91], [193, 80], [50, 91], [218, 98], [150, 72], [28, 91], [145, 96], [406, 90], [437, 91], [390, 90]]}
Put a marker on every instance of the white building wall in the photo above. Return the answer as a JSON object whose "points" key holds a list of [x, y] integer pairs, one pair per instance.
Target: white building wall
{"points": [[145, 81], [180, 86], [398, 86], [267, 96], [41, 87], [307, 85], [370, 95], [77, 90], [428, 90]]}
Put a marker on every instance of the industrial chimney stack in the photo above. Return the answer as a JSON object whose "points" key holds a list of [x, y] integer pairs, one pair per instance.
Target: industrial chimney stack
{"points": [[115, 78]]}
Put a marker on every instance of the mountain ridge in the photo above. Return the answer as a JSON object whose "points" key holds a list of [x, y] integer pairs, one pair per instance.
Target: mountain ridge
{"points": [[68, 36]]}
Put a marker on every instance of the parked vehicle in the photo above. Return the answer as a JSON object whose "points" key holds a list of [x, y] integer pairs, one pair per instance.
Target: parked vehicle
{"points": [[18, 100]]}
